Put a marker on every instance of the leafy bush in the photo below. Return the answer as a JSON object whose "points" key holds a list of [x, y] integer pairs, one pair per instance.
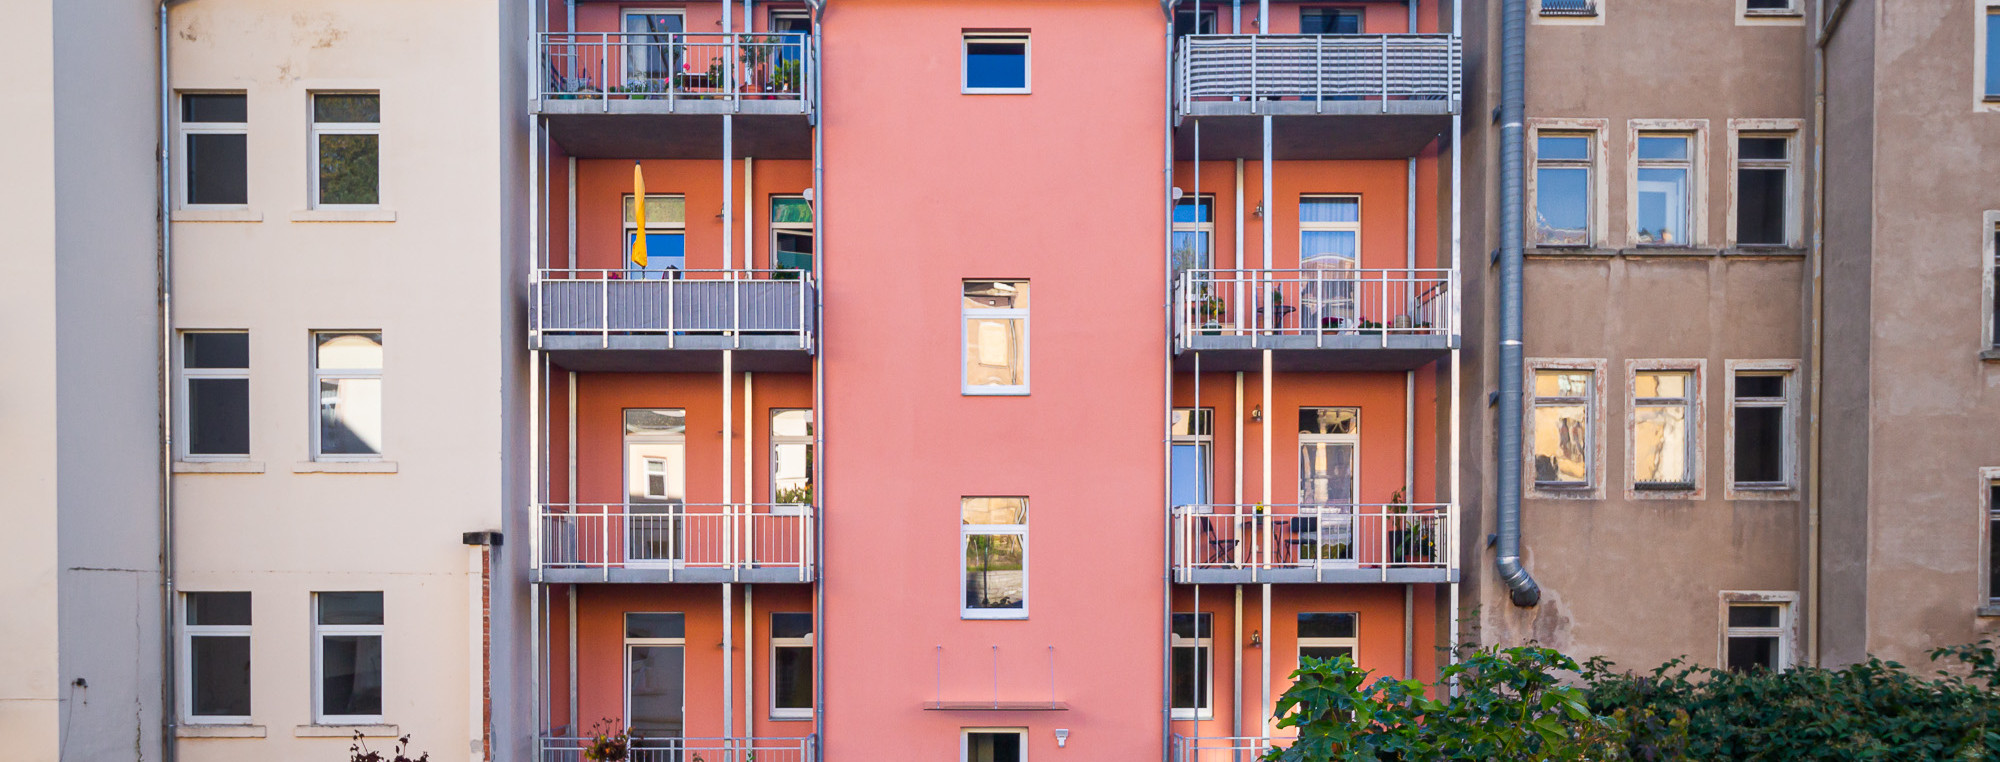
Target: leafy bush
{"points": [[359, 752]]}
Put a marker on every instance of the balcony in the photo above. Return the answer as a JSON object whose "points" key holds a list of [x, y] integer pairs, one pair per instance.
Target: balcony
{"points": [[675, 542], [1345, 96], [1315, 543], [617, 95], [563, 749], [1315, 319], [675, 320], [1224, 748]]}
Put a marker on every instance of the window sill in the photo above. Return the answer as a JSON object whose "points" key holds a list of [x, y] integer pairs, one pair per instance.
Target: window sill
{"points": [[345, 467], [218, 467], [217, 215], [1785, 252], [1987, 611], [1580, 252], [807, 718], [347, 731], [198, 730], [1990, 355], [344, 215], [1667, 251]]}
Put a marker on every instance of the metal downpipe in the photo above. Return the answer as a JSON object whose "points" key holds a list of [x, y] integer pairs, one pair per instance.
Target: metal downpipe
{"points": [[1513, 61]]}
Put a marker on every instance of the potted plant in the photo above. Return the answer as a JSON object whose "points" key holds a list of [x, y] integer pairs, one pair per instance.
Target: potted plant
{"points": [[1410, 538], [785, 78], [608, 742], [756, 53], [359, 752]]}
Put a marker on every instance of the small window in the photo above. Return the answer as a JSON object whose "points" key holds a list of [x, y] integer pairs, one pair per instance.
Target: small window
{"points": [[791, 666], [347, 663], [665, 220], [1665, 182], [1564, 427], [1193, 448], [1193, 652], [995, 323], [215, 657], [1763, 190], [993, 745], [347, 376], [347, 149], [1992, 20], [215, 395], [791, 233], [1189, 21], [1771, 7], [996, 63], [1329, 21], [1992, 286], [215, 167], [1663, 419], [1327, 635], [1760, 410], [1569, 7], [993, 541], [1563, 169], [792, 457], [1756, 632]]}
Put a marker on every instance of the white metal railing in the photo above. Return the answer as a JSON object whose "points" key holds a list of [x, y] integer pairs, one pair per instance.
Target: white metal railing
{"points": [[567, 749], [675, 67], [677, 536], [1318, 67], [1321, 537], [671, 303], [1225, 748], [1316, 302]]}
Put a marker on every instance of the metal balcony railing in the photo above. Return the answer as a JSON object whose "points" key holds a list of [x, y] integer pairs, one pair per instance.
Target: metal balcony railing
{"points": [[675, 303], [678, 537], [614, 66], [566, 749], [1318, 67], [1316, 537], [1569, 7], [1225, 748], [1322, 303]]}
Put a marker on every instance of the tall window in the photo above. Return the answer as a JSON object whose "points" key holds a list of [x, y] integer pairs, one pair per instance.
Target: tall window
{"points": [[215, 166], [995, 323], [347, 149], [1329, 479], [791, 666], [347, 663], [1993, 539], [1193, 449], [656, 485], [1329, 21], [666, 236], [347, 373], [1763, 190], [1756, 631], [996, 63], [1563, 167], [215, 395], [1327, 635], [656, 673], [1993, 283], [1564, 427], [993, 540], [1194, 233], [1663, 422], [1329, 240], [215, 657], [993, 745], [1665, 182], [792, 456], [1760, 414], [1992, 21], [791, 233], [1193, 647]]}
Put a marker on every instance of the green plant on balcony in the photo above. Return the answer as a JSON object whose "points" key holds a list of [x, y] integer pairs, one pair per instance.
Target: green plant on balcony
{"points": [[1411, 540], [800, 495], [608, 742], [786, 77], [359, 752]]}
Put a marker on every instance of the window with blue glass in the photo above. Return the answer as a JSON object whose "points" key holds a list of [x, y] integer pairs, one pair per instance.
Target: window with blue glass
{"points": [[1194, 227], [996, 62], [1992, 52], [666, 236], [1193, 448]]}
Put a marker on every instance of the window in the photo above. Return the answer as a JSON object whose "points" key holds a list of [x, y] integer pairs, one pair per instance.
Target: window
{"points": [[1663, 203], [347, 660], [1763, 190], [1194, 21], [1329, 21], [1992, 536], [1194, 233], [347, 371], [215, 657], [791, 233], [1760, 420], [347, 149], [215, 395], [1329, 239], [1193, 652], [215, 167], [1991, 34], [995, 323], [1563, 193], [994, 745], [792, 456], [996, 63], [791, 666], [651, 54], [1327, 636], [1329, 479], [1756, 631], [993, 540], [1770, 7], [656, 491], [1193, 448], [656, 674], [666, 236], [1992, 285], [1564, 423], [1569, 8], [1663, 423]]}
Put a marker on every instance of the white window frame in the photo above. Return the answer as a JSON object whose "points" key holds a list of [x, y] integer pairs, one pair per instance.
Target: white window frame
{"points": [[966, 39], [1789, 371], [1200, 419], [1593, 407], [628, 226], [1792, 15], [1696, 131], [320, 633], [1989, 289], [965, 740], [1352, 644], [625, 65], [625, 658], [788, 439], [1696, 400], [188, 129], [786, 13], [1206, 229], [183, 416], [777, 712], [1989, 512], [1592, 131], [321, 374], [1330, 227], [345, 128], [965, 534], [967, 315], [186, 661], [1787, 630], [1789, 130], [1204, 654], [791, 228]]}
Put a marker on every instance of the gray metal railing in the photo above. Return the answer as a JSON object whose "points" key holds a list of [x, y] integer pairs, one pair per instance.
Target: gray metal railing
{"points": [[674, 67], [736, 303], [1319, 303], [1376, 537], [1225, 748], [1318, 67], [677, 536], [568, 749]]}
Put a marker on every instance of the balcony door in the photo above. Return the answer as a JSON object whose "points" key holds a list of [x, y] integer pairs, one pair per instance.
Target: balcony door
{"points": [[655, 683], [1329, 253], [655, 487], [650, 54], [1329, 478]]}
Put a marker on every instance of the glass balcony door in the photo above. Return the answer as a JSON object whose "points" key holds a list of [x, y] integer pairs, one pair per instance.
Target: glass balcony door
{"points": [[656, 487], [1329, 477]]}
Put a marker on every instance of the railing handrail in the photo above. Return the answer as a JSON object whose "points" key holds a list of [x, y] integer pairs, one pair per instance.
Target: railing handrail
{"points": [[1192, 509], [789, 271], [1319, 68], [1442, 272], [1376, 537], [548, 509], [564, 37]]}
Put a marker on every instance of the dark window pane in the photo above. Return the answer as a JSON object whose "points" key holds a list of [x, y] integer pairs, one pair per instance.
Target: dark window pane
{"points": [[1769, 5], [348, 108], [1992, 54], [218, 417], [996, 64], [1760, 444], [993, 747], [789, 625], [655, 626], [1186, 23], [350, 608], [793, 672], [1192, 625], [1753, 615], [216, 350], [218, 169], [1770, 387], [1993, 549], [220, 667], [226, 108], [1315, 625], [351, 675], [1191, 678], [1746, 654], [218, 608], [348, 169], [1319, 21], [1760, 148], [1760, 206]]}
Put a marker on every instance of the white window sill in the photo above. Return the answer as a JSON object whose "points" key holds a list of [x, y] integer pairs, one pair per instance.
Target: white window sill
{"points": [[344, 215], [793, 718], [347, 731], [218, 467], [217, 215], [344, 467], [198, 730]]}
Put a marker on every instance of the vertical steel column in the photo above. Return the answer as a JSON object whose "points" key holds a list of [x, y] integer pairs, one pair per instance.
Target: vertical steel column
{"points": [[728, 675]]}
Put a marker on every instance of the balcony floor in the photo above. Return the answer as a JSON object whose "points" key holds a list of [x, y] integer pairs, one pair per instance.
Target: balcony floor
{"points": [[647, 130], [1312, 353], [692, 354], [1347, 129], [1309, 575]]}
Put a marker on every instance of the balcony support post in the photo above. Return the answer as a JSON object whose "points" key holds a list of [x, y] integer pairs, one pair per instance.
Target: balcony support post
{"points": [[728, 675]]}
